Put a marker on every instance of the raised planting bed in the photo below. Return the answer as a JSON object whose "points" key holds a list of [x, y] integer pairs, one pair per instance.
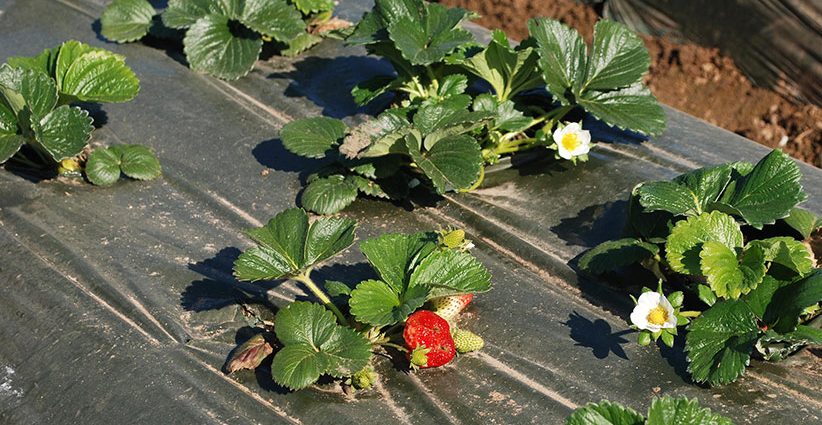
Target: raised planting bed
{"points": [[118, 304]]}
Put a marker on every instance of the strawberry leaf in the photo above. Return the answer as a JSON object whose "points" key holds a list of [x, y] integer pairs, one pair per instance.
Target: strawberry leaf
{"points": [[182, 14], [604, 413], [430, 38], [139, 162], [788, 252], [312, 137], [329, 195], [64, 132], [561, 56], [682, 411], [769, 192], [103, 167], [789, 301], [376, 303], [216, 46], [314, 6], [629, 108], [89, 74], [126, 20], [450, 272], [618, 57], [315, 345], [394, 256], [612, 255], [274, 18], [687, 237], [803, 221], [453, 163], [719, 342], [728, 276], [509, 72], [45, 62], [288, 245]]}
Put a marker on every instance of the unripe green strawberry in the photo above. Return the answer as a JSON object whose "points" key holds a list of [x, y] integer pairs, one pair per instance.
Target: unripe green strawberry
{"points": [[450, 307], [364, 379], [467, 341]]}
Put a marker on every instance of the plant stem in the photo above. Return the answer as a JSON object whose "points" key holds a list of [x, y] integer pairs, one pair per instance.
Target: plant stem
{"points": [[392, 345], [478, 182], [690, 313], [325, 299]]}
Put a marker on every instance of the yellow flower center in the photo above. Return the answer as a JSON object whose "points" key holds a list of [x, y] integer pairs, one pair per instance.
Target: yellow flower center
{"points": [[570, 141], [658, 316]]}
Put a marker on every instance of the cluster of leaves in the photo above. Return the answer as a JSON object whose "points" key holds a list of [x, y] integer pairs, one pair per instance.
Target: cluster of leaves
{"points": [[663, 411], [730, 236], [337, 337], [35, 98], [224, 38], [443, 129]]}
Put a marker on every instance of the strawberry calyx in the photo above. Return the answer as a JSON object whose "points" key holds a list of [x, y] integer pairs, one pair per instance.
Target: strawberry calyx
{"points": [[419, 357]]}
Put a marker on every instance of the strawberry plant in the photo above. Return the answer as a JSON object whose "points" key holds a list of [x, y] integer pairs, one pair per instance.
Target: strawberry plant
{"points": [[727, 241], [338, 335], [663, 411], [224, 38], [459, 106], [40, 129]]}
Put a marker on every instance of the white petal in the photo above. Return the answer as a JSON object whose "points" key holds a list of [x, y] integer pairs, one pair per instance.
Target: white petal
{"points": [[639, 318], [573, 127], [559, 133], [649, 300], [585, 137]]}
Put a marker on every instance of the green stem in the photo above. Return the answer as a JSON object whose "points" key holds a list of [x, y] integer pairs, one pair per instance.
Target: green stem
{"points": [[478, 182], [392, 345], [325, 299], [690, 313]]}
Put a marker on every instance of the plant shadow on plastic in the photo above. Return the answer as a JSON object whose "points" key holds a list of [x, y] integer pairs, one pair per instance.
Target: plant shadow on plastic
{"points": [[597, 335], [327, 82]]}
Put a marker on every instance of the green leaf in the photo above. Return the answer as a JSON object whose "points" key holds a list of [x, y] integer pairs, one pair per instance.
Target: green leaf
{"points": [[453, 163], [328, 195], [432, 37], [312, 137], [707, 295], [707, 183], [376, 303], [315, 345], [301, 43], [10, 141], [64, 132], [45, 62], [287, 245], [789, 301], [507, 71], [682, 411], [612, 255], [562, 56], [449, 272], [788, 252], [728, 277], [452, 85], [803, 221], [337, 289], [377, 137], [669, 196], [89, 74], [366, 91], [631, 108], [761, 296], [770, 191], [775, 346], [126, 20], [182, 14], [103, 167], [139, 162], [604, 413], [274, 18], [685, 241], [367, 186], [719, 342], [439, 120], [314, 6], [394, 255], [217, 47], [618, 57]]}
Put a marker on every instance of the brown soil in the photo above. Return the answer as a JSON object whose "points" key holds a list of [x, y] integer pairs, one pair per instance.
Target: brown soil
{"points": [[691, 78]]}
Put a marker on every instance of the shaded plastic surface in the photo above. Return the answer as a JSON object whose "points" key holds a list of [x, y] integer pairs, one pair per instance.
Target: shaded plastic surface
{"points": [[117, 304], [775, 42]]}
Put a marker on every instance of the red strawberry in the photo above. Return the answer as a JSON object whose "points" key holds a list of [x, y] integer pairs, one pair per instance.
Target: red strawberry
{"points": [[428, 339], [449, 307]]}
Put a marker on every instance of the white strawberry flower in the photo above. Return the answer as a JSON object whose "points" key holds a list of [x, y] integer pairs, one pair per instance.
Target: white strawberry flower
{"points": [[653, 312], [572, 141]]}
